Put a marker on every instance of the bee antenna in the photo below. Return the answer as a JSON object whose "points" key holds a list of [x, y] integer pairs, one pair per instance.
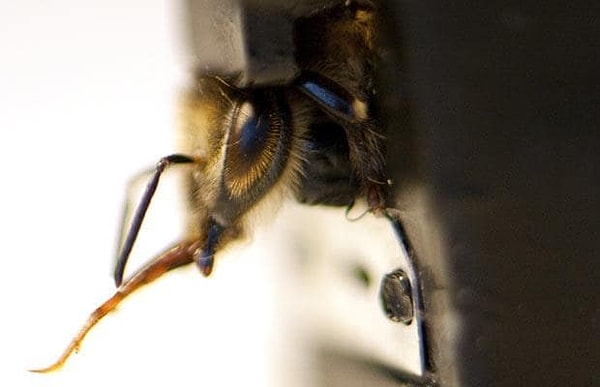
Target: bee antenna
{"points": [[126, 245]]}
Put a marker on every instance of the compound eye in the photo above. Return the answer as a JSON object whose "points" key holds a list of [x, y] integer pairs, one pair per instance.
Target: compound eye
{"points": [[252, 144], [249, 132]]}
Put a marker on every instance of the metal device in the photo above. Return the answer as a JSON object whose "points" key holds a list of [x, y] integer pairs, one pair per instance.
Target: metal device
{"points": [[491, 114]]}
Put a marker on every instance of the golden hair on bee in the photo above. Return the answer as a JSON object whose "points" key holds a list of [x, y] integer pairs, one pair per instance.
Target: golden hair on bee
{"points": [[245, 179], [245, 149]]}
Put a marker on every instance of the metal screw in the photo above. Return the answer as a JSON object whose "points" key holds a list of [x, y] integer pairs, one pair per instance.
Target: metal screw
{"points": [[396, 297]]}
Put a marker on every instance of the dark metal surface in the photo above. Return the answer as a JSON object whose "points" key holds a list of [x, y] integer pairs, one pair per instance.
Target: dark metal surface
{"points": [[492, 111], [498, 180], [251, 40], [396, 297]]}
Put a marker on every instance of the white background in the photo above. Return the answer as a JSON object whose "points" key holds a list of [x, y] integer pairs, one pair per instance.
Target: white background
{"points": [[87, 98]]}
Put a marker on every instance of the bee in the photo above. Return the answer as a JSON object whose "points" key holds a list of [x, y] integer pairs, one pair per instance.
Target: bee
{"points": [[246, 149]]}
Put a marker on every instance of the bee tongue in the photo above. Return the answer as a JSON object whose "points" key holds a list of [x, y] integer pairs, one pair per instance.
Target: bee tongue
{"points": [[206, 257]]}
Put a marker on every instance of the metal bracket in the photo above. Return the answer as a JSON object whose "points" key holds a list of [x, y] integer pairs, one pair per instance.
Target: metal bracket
{"points": [[335, 269]]}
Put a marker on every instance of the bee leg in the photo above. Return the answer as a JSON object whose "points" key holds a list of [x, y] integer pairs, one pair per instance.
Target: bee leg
{"points": [[376, 199], [368, 161], [206, 258], [179, 255], [365, 142], [128, 239], [331, 97]]}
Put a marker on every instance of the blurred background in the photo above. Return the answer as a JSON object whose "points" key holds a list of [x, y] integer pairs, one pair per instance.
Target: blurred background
{"points": [[87, 99]]}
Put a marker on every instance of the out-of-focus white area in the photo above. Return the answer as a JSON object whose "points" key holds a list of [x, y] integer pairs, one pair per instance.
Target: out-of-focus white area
{"points": [[326, 301], [87, 99]]}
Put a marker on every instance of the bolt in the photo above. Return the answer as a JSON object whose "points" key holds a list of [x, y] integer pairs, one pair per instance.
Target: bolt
{"points": [[396, 297]]}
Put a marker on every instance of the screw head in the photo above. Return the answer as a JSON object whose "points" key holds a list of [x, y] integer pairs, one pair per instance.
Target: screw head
{"points": [[396, 297]]}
